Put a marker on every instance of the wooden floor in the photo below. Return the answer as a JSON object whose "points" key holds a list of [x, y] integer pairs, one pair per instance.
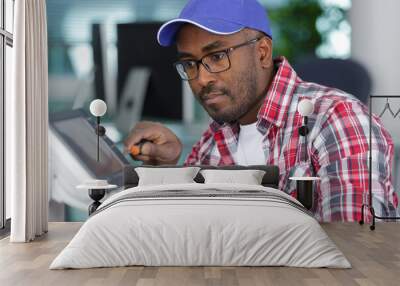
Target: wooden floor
{"points": [[374, 255]]}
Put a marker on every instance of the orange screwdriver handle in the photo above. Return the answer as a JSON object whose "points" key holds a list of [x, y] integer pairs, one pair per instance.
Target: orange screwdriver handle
{"points": [[135, 150]]}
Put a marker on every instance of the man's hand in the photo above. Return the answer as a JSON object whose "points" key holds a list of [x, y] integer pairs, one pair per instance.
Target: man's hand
{"points": [[160, 147]]}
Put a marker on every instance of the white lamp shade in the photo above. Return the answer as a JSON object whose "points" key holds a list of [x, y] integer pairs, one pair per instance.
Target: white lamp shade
{"points": [[98, 107], [305, 107]]}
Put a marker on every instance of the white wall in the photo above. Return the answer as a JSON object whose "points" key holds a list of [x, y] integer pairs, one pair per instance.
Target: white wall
{"points": [[376, 41]]}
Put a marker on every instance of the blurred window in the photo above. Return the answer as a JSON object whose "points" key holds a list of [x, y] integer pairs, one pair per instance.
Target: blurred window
{"points": [[6, 64]]}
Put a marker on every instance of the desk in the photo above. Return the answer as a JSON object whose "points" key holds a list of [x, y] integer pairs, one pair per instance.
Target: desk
{"points": [[374, 255]]}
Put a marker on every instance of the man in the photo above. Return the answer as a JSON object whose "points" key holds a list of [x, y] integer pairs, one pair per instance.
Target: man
{"points": [[225, 53]]}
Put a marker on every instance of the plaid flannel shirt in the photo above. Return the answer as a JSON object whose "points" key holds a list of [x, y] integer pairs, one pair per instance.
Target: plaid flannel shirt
{"points": [[337, 146]]}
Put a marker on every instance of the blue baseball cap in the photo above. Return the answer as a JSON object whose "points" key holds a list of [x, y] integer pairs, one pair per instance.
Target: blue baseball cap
{"points": [[221, 17]]}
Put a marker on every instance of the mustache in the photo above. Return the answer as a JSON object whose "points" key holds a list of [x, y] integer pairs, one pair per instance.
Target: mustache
{"points": [[205, 91]]}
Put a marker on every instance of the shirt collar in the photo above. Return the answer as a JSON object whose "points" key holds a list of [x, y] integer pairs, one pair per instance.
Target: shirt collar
{"points": [[279, 96]]}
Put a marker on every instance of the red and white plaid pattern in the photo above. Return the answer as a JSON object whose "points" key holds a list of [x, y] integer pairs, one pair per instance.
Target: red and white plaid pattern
{"points": [[337, 146]]}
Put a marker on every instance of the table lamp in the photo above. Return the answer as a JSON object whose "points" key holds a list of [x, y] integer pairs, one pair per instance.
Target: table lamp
{"points": [[98, 108], [97, 188], [304, 185], [305, 108]]}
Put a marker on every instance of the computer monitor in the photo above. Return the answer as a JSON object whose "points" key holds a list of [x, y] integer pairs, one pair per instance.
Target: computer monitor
{"points": [[138, 48]]}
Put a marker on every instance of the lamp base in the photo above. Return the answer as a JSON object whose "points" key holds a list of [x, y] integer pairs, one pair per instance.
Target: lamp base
{"points": [[305, 193], [96, 195]]}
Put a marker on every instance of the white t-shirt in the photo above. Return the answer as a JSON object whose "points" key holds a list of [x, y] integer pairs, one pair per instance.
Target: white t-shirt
{"points": [[249, 150]]}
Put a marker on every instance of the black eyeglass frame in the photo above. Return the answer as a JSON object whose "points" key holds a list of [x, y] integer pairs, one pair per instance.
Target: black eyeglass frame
{"points": [[226, 51]]}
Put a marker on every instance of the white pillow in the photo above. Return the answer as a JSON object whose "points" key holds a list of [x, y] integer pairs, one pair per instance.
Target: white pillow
{"points": [[164, 176], [248, 177]]}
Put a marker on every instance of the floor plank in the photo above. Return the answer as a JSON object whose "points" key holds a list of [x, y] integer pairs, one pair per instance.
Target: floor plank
{"points": [[374, 255]]}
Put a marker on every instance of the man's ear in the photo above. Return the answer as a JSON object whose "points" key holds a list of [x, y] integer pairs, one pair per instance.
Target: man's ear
{"points": [[265, 52]]}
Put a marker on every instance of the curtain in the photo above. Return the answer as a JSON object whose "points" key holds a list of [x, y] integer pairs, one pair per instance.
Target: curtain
{"points": [[27, 123]]}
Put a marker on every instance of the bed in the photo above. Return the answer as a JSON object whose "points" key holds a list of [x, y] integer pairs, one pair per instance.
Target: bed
{"points": [[201, 224]]}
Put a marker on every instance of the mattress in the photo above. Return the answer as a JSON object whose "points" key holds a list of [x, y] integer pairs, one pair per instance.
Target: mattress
{"points": [[201, 225]]}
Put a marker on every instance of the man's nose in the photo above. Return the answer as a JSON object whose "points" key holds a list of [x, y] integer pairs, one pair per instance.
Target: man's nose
{"points": [[205, 77]]}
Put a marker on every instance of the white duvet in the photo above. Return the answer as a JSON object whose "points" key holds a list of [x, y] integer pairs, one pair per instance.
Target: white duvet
{"points": [[206, 230]]}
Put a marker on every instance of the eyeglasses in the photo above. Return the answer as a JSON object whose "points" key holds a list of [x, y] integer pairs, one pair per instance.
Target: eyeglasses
{"points": [[214, 62]]}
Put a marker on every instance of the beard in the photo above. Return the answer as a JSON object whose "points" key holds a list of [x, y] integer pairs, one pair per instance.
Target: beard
{"points": [[242, 96]]}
